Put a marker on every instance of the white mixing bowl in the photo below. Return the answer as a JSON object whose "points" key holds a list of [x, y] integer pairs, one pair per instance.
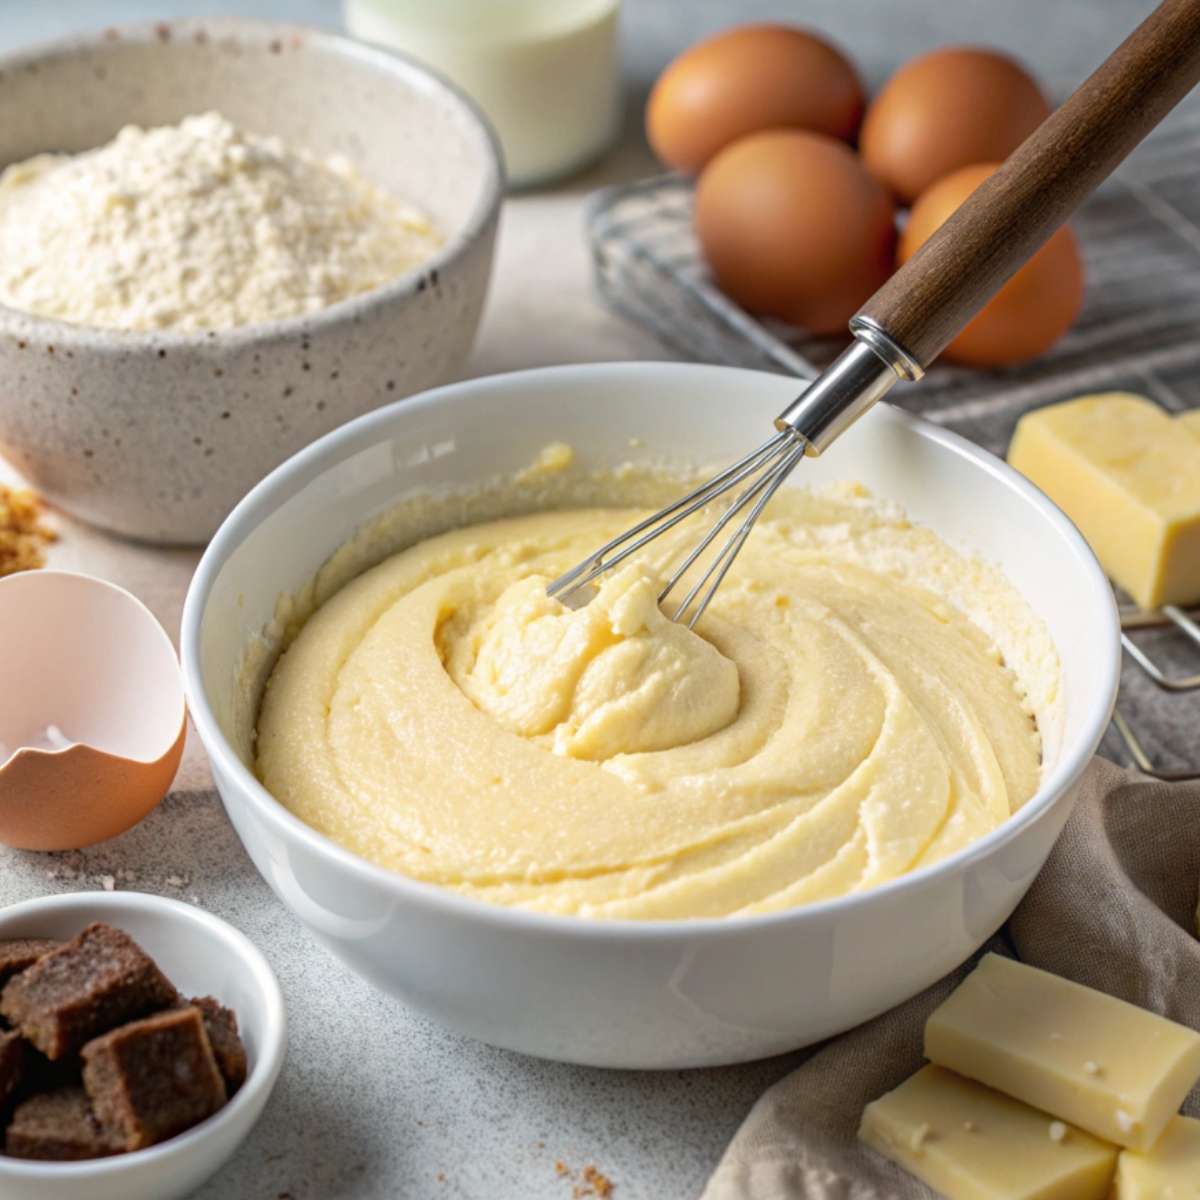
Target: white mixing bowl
{"points": [[623, 993]]}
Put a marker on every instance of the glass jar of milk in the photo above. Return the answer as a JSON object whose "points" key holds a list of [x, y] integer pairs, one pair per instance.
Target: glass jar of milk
{"points": [[544, 71]]}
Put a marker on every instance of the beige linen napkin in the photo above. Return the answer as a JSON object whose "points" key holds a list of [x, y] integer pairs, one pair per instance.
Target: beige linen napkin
{"points": [[1113, 908]]}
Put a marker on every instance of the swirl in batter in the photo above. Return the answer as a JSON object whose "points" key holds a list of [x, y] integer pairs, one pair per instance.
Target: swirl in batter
{"points": [[834, 722]]}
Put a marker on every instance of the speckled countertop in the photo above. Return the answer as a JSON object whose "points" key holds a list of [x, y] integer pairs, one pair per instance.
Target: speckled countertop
{"points": [[377, 1102]]}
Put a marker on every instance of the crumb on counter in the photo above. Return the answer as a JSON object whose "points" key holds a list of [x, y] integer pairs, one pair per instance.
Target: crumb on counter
{"points": [[588, 1182], [23, 535], [599, 1183]]}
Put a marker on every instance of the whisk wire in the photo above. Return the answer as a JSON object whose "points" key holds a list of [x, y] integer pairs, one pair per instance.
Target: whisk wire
{"points": [[742, 500], [572, 584], [769, 464], [764, 488]]}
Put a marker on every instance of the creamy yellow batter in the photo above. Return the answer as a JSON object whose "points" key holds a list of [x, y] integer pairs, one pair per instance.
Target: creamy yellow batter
{"points": [[834, 722]]}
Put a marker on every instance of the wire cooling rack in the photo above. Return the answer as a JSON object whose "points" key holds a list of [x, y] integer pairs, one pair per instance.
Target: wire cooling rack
{"points": [[1139, 331]]}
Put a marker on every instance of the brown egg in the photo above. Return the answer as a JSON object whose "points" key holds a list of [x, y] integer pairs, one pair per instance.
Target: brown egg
{"points": [[794, 227], [948, 109], [747, 79], [1032, 310]]}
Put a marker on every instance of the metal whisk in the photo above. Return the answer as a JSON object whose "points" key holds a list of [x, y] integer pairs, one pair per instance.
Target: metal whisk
{"points": [[863, 373], [924, 305], [771, 464]]}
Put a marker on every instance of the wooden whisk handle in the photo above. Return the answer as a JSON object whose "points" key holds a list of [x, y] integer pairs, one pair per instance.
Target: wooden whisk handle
{"points": [[928, 301]]}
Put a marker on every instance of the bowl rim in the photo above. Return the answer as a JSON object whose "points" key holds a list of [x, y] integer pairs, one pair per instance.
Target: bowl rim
{"points": [[263, 1073], [263, 499], [483, 213]]}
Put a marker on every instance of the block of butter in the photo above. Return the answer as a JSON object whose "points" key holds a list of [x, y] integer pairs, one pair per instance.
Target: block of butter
{"points": [[1169, 1170], [971, 1143], [1082, 1056], [1128, 474]]}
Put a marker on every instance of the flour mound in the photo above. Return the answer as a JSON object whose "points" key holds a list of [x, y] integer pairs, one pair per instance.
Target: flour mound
{"points": [[198, 225]]}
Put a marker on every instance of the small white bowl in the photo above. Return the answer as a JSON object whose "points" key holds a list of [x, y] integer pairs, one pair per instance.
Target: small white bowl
{"points": [[201, 955], [643, 994]]}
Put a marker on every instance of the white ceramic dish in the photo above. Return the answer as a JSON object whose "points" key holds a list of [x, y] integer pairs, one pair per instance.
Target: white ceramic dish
{"points": [[157, 435], [627, 994], [201, 955]]}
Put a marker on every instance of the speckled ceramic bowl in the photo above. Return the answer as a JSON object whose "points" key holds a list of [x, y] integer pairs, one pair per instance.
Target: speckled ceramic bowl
{"points": [[157, 435]]}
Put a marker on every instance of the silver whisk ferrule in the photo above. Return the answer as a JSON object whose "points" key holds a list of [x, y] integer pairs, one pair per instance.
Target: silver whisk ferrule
{"points": [[861, 375]]}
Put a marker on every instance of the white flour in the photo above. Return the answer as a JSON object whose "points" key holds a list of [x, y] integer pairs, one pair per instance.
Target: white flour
{"points": [[197, 226]]}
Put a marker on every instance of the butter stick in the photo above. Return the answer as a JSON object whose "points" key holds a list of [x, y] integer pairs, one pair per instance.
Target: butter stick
{"points": [[1169, 1170], [1109, 1067], [971, 1143], [1128, 474]]}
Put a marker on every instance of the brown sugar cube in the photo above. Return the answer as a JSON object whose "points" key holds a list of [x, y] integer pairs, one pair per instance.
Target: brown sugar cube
{"points": [[58, 1126], [20, 953], [153, 1078], [222, 1027], [90, 985], [13, 1067]]}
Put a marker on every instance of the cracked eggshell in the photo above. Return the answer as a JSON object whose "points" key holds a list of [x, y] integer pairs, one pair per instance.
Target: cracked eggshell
{"points": [[92, 714]]}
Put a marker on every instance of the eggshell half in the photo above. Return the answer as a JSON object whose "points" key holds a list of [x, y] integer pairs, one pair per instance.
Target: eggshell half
{"points": [[92, 713]]}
